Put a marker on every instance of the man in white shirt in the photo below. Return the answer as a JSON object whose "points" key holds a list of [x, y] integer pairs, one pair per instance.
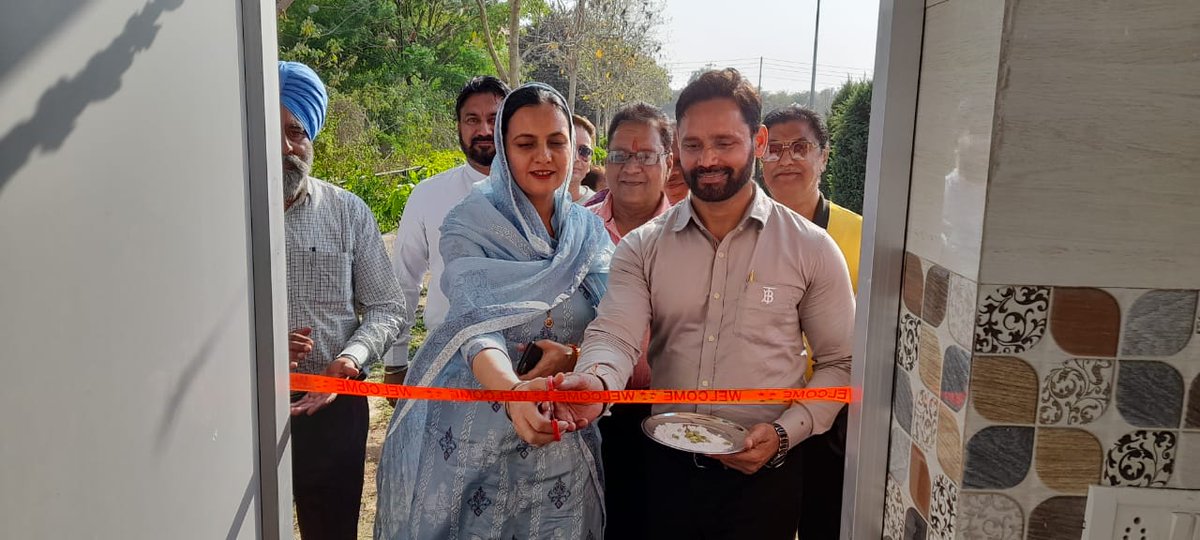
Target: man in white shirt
{"points": [[416, 248]]}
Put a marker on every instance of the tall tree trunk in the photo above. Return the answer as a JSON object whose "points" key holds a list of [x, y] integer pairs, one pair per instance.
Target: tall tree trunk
{"points": [[573, 63], [514, 43]]}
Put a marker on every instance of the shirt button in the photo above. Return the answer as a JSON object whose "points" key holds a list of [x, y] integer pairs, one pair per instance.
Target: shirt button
{"points": [[721, 254], [717, 295], [712, 338], [704, 384]]}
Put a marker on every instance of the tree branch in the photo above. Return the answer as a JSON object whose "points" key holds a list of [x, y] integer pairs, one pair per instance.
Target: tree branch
{"points": [[487, 34]]}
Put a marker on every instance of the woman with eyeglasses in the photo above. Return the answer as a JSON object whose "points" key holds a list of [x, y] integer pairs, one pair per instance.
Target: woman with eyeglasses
{"points": [[585, 134], [523, 264]]}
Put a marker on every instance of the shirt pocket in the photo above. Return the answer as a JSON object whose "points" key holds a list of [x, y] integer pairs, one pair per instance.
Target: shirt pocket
{"points": [[768, 314], [321, 276]]}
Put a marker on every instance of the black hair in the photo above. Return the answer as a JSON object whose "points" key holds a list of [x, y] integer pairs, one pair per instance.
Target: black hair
{"points": [[727, 83], [797, 113], [531, 95], [644, 113], [483, 84]]}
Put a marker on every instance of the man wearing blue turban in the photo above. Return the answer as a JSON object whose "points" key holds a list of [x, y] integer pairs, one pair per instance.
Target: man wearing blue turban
{"points": [[337, 268]]}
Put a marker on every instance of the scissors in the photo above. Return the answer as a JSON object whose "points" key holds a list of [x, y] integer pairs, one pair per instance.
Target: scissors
{"points": [[550, 408]]}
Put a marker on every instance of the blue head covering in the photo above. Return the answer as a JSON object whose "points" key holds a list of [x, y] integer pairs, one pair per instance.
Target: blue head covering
{"points": [[502, 267], [303, 93]]}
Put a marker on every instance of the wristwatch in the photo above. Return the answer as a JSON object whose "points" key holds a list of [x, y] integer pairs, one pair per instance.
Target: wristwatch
{"points": [[781, 453]]}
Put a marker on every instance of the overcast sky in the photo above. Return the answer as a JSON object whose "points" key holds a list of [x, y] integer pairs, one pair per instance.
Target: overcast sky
{"points": [[735, 33]]}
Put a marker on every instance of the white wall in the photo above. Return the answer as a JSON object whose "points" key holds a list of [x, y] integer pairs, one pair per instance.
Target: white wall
{"points": [[130, 400]]}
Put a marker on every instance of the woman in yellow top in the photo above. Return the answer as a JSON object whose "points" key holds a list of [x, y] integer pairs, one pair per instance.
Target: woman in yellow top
{"points": [[797, 150]]}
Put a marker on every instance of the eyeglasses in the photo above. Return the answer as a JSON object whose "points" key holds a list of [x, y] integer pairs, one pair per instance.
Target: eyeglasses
{"points": [[584, 152], [799, 150], [618, 157]]}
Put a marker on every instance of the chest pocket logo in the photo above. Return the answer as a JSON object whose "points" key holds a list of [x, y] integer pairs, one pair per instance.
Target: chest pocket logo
{"points": [[768, 295]]}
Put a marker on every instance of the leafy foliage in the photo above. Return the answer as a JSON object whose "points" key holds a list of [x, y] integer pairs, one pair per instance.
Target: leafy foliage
{"points": [[849, 124]]}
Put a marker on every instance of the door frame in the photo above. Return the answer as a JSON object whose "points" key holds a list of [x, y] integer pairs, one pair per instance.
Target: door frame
{"points": [[885, 222]]}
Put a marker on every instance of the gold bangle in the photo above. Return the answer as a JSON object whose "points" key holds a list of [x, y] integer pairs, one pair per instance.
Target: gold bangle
{"points": [[574, 352]]}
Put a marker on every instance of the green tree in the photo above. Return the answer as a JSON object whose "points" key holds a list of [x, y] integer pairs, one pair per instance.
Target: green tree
{"points": [[848, 126]]}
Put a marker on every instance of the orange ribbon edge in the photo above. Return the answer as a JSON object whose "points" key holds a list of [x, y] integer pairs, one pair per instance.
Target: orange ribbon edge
{"points": [[301, 382]]}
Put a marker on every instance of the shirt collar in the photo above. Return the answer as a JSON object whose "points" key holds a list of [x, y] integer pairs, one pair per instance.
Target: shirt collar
{"points": [[760, 210], [471, 174], [303, 193]]}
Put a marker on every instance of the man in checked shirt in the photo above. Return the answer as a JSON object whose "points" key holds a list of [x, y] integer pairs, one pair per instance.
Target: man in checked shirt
{"points": [[337, 270]]}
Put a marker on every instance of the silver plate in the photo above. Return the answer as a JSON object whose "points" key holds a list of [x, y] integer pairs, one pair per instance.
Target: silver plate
{"points": [[733, 433]]}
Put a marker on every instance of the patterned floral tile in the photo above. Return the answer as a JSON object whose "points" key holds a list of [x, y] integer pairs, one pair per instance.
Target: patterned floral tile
{"points": [[898, 453], [956, 371], [1141, 459], [1078, 392], [998, 457], [902, 402], [925, 420], [1188, 464], [937, 286], [1057, 518], [1160, 323], [989, 516], [918, 481], [1068, 460], [1004, 389], [943, 508], [906, 354], [1149, 394], [1193, 408], [960, 310], [893, 513], [949, 444], [929, 359], [915, 527], [1010, 319], [1086, 322], [913, 286]]}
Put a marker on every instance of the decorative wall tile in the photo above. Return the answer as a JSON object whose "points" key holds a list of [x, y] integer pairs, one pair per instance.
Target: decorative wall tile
{"points": [[1141, 459], [1160, 323], [989, 516], [918, 481], [1077, 393], [998, 457], [1188, 464], [913, 286], [956, 371], [898, 451], [1004, 389], [1149, 394], [949, 444], [1057, 518], [943, 508], [893, 513], [937, 286], [1193, 408], [960, 310], [910, 328], [1086, 322], [1011, 319], [1068, 460], [925, 420], [929, 359], [902, 402], [914, 526]]}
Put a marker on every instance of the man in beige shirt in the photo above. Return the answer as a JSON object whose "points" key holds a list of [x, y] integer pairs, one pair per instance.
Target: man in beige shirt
{"points": [[729, 281]]}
